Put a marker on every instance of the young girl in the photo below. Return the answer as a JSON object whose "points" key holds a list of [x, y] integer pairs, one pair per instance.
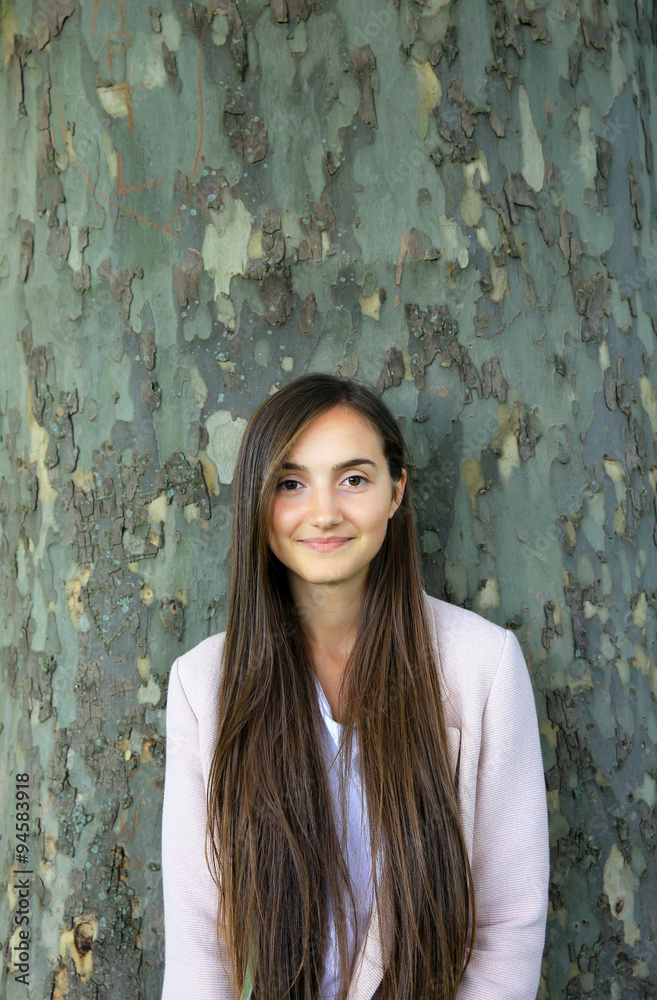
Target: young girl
{"points": [[354, 800]]}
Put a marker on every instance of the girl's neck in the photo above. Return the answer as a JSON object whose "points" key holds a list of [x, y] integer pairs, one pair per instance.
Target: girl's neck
{"points": [[330, 614]]}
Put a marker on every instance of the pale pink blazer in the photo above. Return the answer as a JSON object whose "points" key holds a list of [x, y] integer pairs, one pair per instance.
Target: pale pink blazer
{"points": [[494, 747]]}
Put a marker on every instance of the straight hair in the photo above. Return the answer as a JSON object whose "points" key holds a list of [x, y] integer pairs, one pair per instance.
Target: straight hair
{"points": [[274, 851]]}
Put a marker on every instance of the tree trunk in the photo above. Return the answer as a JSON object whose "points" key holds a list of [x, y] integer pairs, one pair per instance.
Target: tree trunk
{"points": [[203, 200]]}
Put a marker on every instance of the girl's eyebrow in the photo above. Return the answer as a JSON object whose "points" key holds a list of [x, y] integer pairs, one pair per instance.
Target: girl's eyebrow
{"points": [[336, 468]]}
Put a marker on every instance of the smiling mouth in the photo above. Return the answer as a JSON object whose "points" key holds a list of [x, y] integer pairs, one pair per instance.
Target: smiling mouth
{"points": [[328, 545]]}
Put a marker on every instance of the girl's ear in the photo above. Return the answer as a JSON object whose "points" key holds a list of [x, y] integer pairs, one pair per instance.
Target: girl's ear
{"points": [[398, 493]]}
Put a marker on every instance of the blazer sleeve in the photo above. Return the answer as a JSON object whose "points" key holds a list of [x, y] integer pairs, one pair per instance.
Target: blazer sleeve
{"points": [[510, 851], [193, 967]]}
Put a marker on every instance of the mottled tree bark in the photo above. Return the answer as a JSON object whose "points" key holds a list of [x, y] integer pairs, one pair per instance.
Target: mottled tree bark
{"points": [[201, 201]]}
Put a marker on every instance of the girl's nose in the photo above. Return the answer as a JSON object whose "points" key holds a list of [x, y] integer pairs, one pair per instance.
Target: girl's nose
{"points": [[325, 507]]}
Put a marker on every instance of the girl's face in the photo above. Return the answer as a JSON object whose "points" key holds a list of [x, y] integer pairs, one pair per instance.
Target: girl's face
{"points": [[335, 484]]}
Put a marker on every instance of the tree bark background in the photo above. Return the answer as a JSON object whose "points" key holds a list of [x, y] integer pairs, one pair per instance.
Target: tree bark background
{"points": [[201, 201]]}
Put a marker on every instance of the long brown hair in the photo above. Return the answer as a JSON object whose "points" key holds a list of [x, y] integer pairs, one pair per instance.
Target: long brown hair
{"points": [[276, 855]]}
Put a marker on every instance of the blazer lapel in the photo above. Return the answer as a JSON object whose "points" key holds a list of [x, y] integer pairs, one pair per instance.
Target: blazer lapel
{"points": [[370, 964], [453, 748]]}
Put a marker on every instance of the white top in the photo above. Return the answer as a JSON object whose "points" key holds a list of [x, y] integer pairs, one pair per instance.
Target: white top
{"points": [[358, 855]]}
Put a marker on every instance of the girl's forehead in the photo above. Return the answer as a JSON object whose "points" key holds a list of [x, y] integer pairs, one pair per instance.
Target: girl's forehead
{"points": [[335, 425]]}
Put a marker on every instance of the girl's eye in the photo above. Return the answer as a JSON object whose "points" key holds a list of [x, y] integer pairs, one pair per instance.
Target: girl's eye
{"points": [[294, 482]]}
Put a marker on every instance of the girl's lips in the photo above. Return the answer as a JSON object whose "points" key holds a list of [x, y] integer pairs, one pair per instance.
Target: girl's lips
{"points": [[319, 546]]}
